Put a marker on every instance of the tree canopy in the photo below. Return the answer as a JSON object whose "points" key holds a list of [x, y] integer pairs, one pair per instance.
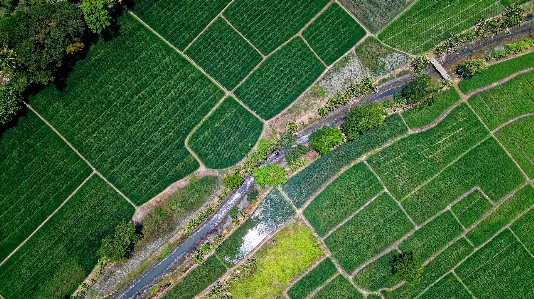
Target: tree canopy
{"points": [[115, 247], [363, 118], [325, 139]]}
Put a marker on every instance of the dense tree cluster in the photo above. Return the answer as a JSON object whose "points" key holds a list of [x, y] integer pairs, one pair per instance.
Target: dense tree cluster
{"points": [[325, 139], [116, 247], [363, 118]]}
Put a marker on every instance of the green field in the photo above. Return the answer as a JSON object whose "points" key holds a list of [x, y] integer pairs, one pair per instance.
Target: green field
{"points": [[128, 108], [523, 228], [379, 59], [180, 21], [517, 139], [268, 24], [446, 288], [429, 22], [342, 197], [316, 277], [63, 252], [426, 113], [377, 274], [280, 79], [226, 136], [471, 208], [39, 171], [333, 33], [375, 15], [224, 54], [339, 288]]}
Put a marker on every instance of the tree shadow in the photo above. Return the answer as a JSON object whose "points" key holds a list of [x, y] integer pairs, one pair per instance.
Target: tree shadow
{"points": [[23, 111]]}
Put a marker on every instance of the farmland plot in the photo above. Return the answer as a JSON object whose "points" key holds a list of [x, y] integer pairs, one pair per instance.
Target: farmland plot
{"points": [[62, 253], [523, 229], [471, 208], [517, 139], [374, 14], [125, 114], [39, 172], [280, 79], [446, 288], [377, 274], [226, 136], [316, 277], [268, 24], [340, 288], [378, 58], [333, 33], [224, 54], [429, 22], [179, 21], [425, 114]]}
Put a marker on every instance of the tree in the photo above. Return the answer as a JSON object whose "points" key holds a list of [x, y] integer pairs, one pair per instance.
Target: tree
{"points": [[114, 248], [471, 67], [363, 118], [271, 175], [232, 180], [408, 267], [324, 139], [96, 14], [9, 100], [418, 89]]}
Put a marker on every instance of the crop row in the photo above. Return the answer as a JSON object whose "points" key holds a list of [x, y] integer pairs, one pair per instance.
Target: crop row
{"points": [[369, 232], [316, 277], [486, 166], [375, 15], [339, 287], [426, 113], [517, 139], [63, 252], [377, 274], [413, 160], [341, 198], [39, 171], [301, 186], [471, 208], [333, 33], [226, 136], [280, 79], [447, 287], [224, 54], [523, 228]]}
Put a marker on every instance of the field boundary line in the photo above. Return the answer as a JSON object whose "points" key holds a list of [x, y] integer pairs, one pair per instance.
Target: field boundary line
{"points": [[463, 284], [322, 286], [80, 155], [522, 244], [407, 8], [301, 275], [502, 126], [48, 218], [241, 34], [457, 219], [313, 51], [501, 81]]}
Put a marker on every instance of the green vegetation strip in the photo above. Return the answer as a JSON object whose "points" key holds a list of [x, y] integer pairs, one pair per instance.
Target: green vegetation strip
{"points": [[339, 288], [39, 172], [377, 274], [280, 79], [226, 136], [505, 213], [500, 269], [178, 22], [268, 24], [342, 197], [486, 166], [62, 253], [471, 208], [517, 139], [302, 185], [316, 277], [279, 260], [448, 287], [368, 233], [333, 33], [413, 160], [197, 279], [128, 107], [375, 15], [426, 113], [497, 72], [224, 54]]}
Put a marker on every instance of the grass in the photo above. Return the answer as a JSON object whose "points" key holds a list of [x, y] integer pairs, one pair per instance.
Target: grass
{"points": [[379, 59], [333, 33], [486, 166], [315, 278], [339, 288], [128, 107], [226, 136], [283, 257], [446, 288], [497, 72], [523, 228], [377, 274], [516, 138], [341, 198], [271, 214], [501, 269], [438, 267], [178, 22], [302, 185], [413, 160], [433, 236], [39, 172], [280, 79], [268, 24], [471, 208], [425, 114], [429, 22], [505, 213], [368, 233], [197, 279], [224, 54], [506, 101], [375, 15], [63, 252]]}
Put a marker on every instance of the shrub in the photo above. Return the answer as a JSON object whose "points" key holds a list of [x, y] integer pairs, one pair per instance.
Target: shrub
{"points": [[114, 248], [232, 181], [408, 267], [9, 100], [296, 152], [287, 141], [471, 67], [292, 127], [418, 89], [420, 64], [271, 175], [265, 147], [234, 213], [325, 139], [363, 118]]}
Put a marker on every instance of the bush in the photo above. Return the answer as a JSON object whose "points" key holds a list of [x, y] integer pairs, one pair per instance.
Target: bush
{"points": [[287, 141], [292, 127], [325, 139], [408, 267], [271, 175], [265, 147], [232, 181], [363, 118], [9, 100], [420, 64], [115, 248], [471, 67], [296, 152], [418, 89]]}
